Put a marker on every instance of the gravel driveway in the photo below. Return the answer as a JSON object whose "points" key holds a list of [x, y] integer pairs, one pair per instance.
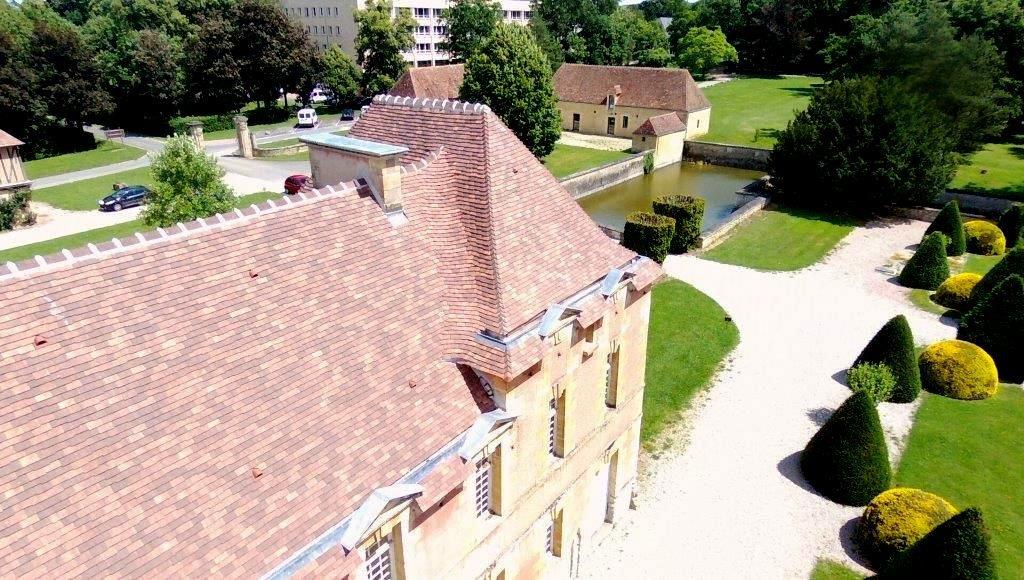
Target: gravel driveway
{"points": [[730, 502]]}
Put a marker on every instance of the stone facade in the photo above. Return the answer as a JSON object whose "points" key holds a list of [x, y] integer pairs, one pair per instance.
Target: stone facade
{"points": [[728, 155], [593, 119]]}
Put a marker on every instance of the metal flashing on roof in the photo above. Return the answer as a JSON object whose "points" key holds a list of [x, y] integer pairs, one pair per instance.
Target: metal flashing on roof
{"points": [[615, 275], [353, 145], [476, 437], [372, 507], [550, 323]]}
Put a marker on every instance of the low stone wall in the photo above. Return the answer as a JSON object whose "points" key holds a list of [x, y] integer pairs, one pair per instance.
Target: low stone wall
{"points": [[971, 203], [746, 211], [275, 151], [728, 155], [584, 183]]}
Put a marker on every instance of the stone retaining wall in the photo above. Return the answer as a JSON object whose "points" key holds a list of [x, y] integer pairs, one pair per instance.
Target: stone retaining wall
{"points": [[275, 151], [584, 183], [728, 155], [970, 203], [746, 211]]}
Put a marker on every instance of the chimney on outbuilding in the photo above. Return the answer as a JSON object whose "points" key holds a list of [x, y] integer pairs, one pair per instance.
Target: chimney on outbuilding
{"points": [[335, 159]]}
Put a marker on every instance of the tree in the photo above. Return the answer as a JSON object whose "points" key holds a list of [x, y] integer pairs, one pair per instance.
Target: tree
{"points": [[893, 346], [511, 75], [213, 73], [582, 28], [846, 460], [188, 185], [951, 224], [957, 548], [636, 39], [340, 75], [1012, 263], [157, 86], [996, 324], [66, 75], [547, 43], [928, 268], [703, 49], [470, 23], [1012, 224], [380, 42], [864, 145]]}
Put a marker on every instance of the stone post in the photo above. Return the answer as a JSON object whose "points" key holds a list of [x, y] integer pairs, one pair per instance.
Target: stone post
{"points": [[243, 137], [195, 131]]}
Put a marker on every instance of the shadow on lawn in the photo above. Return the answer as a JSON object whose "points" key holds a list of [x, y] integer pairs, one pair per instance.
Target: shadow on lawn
{"points": [[802, 91]]}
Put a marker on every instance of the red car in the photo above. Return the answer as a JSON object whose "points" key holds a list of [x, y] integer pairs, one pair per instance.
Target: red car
{"points": [[293, 184]]}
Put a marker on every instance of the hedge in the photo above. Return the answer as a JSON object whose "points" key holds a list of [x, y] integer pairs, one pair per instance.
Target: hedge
{"points": [[893, 346], [876, 379], [984, 238], [1012, 263], [956, 549], [951, 223], [14, 210], [264, 115], [896, 519], [846, 460], [958, 370], [1012, 224], [928, 267], [955, 292], [210, 123], [996, 324], [689, 215], [648, 234]]}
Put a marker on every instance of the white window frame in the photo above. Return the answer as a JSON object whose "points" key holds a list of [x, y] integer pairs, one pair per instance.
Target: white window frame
{"points": [[483, 480], [553, 427], [421, 12], [380, 560]]}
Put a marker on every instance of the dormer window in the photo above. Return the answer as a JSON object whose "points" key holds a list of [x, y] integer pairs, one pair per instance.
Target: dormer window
{"points": [[611, 102]]}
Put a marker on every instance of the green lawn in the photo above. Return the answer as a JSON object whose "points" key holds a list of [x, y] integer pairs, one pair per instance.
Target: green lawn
{"points": [[689, 337], [290, 122], [83, 195], [103, 234], [830, 570], [568, 159], [105, 153], [781, 239], [752, 111], [970, 453], [997, 170]]}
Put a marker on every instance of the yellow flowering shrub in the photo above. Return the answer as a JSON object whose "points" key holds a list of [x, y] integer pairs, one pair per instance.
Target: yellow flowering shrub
{"points": [[959, 370], [897, 518], [955, 292], [984, 238]]}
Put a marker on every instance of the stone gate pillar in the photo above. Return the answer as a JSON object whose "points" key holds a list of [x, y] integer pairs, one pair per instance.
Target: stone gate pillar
{"points": [[243, 137], [195, 131]]}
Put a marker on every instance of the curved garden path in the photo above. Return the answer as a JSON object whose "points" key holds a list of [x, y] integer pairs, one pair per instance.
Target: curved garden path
{"points": [[730, 502]]}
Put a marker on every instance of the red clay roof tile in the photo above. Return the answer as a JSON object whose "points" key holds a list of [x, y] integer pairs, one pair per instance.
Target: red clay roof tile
{"points": [[671, 89]]}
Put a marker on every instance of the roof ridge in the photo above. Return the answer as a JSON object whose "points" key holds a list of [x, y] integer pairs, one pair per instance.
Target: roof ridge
{"points": [[10, 270], [421, 164], [440, 105]]}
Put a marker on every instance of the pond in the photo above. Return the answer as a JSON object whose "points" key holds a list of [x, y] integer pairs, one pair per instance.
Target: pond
{"points": [[716, 184]]}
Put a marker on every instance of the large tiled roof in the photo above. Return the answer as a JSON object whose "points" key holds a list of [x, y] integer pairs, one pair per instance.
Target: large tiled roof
{"points": [[147, 382], [671, 89], [430, 82]]}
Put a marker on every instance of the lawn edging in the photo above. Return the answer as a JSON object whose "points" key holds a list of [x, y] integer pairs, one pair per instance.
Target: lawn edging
{"points": [[588, 181], [737, 156]]}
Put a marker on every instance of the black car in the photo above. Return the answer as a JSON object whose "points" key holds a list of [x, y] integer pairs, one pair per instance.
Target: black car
{"points": [[125, 197]]}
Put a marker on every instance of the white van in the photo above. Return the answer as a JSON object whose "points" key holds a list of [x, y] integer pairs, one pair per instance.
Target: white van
{"points": [[308, 118], [318, 96]]}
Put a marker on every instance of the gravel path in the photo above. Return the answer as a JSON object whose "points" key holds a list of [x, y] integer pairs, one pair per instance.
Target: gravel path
{"points": [[730, 502]]}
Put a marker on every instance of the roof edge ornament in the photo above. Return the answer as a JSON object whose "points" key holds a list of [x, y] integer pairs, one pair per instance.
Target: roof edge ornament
{"points": [[444, 106], [372, 507], [476, 437]]}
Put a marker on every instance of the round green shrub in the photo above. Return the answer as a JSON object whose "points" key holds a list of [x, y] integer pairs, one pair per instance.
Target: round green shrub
{"points": [[984, 238], [955, 292], [893, 346], [846, 460], [951, 223], [958, 548], [928, 267], [1012, 263], [996, 324], [689, 215], [959, 370], [896, 519], [648, 234], [875, 379], [1012, 224]]}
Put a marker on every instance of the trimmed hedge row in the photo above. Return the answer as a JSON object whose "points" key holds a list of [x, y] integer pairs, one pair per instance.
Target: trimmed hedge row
{"points": [[688, 213], [893, 346], [210, 123], [959, 370], [984, 238], [1012, 263], [996, 324], [648, 234], [928, 267], [897, 518], [951, 223]]}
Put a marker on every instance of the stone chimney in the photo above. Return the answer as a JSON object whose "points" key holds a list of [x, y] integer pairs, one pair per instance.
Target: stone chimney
{"points": [[335, 159]]}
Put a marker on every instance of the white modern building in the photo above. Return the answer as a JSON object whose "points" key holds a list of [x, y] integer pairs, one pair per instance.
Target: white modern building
{"points": [[331, 22]]}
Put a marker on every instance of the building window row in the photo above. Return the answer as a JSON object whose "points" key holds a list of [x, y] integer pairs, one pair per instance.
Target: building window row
{"points": [[309, 11], [315, 29], [517, 14]]}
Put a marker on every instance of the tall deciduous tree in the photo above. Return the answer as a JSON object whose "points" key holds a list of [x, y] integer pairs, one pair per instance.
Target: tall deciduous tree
{"points": [[470, 23], [380, 42], [188, 185], [214, 80], [66, 76], [511, 74], [703, 49], [340, 74]]}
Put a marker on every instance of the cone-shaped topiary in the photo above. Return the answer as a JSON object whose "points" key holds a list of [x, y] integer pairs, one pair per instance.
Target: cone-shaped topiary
{"points": [[996, 324], [955, 292], [958, 370], [957, 549], [1012, 263], [688, 212], [1012, 224], [648, 234], [984, 238], [928, 267], [951, 223], [846, 460], [893, 346], [897, 518]]}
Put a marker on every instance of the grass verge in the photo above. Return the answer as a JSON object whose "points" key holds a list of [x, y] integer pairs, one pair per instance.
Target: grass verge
{"points": [[997, 170], [105, 153], [831, 570], [568, 159], [688, 339], [781, 239], [83, 195], [103, 234], [969, 452], [752, 111]]}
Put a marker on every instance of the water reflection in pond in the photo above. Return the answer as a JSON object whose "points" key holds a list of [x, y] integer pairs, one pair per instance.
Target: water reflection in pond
{"points": [[714, 183]]}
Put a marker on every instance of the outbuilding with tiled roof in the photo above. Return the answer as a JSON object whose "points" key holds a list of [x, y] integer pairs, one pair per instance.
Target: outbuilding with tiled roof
{"points": [[430, 82]]}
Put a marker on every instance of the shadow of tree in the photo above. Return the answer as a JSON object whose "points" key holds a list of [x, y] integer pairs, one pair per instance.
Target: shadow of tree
{"points": [[802, 91]]}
